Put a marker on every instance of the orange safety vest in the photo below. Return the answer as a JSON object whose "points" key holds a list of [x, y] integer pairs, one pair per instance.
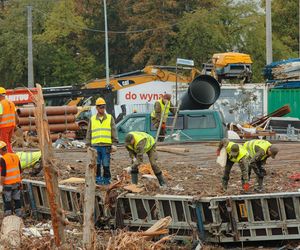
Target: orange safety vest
{"points": [[8, 118], [13, 174]]}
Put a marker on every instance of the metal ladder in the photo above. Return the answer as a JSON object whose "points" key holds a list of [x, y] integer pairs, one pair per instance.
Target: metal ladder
{"points": [[173, 123]]}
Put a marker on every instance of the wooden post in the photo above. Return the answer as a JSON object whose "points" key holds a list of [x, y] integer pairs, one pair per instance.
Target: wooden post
{"points": [[50, 171], [11, 232], [89, 201]]}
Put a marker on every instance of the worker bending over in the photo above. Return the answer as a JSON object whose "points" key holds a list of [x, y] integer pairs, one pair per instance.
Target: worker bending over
{"points": [[10, 184], [259, 151], [8, 119], [101, 135], [159, 108], [235, 154], [138, 143]]}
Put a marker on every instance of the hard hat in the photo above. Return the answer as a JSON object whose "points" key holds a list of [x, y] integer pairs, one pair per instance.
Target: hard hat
{"points": [[167, 97], [274, 151], [2, 144], [235, 149], [128, 138], [2, 91], [100, 101]]}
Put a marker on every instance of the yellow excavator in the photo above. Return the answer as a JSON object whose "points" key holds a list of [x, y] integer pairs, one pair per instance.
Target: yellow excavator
{"points": [[131, 79]]}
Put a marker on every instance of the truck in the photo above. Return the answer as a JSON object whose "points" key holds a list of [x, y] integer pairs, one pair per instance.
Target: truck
{"points": [[191, 125], [229, 65]]}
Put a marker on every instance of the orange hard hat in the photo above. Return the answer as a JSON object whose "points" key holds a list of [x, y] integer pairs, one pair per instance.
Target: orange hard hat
{"points": [[2, 144], [2, 91], [100, 101]]}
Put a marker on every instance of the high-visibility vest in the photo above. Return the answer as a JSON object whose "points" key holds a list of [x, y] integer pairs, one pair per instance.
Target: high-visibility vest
{"points": [[250, 147], [8, 117], [29, 159], [162, 108], [101, 131], [138, 136], [13, 174], [242, 152]]}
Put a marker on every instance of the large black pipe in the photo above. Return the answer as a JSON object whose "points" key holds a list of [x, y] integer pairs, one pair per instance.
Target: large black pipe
{"points": [[203, 92]]}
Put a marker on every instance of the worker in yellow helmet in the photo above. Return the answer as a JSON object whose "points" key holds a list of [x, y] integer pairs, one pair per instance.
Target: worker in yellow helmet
{"points": [[8, 119], [10, 183], [235, 154], [101, 135], [137, 144], [259, 151], [156, 114]]}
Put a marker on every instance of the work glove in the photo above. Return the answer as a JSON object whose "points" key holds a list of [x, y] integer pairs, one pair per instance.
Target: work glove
{"points": [[246, 187], [133, 160], [1, 189], [163, 125], [87, 144]]}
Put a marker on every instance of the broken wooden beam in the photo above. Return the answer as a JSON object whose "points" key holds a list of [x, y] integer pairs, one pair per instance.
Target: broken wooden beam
{"points": [[89, 201], [50, 171]]}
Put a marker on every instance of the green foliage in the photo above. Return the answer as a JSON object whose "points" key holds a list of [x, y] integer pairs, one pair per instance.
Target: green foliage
{"points": [[67, 50]]}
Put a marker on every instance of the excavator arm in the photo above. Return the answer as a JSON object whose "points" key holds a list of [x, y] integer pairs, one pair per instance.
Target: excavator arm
{"points": [[131, 79]]}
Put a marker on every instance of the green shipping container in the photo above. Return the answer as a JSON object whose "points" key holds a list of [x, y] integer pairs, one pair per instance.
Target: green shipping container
{"points": [[279, 97]]}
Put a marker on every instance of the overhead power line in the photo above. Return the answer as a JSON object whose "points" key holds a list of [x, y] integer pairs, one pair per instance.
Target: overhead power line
{"points": [[109, 31]]}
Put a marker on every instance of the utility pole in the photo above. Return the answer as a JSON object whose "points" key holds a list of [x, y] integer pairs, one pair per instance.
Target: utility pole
{"points": [[269, 50], [106, 45], [30, 57]]}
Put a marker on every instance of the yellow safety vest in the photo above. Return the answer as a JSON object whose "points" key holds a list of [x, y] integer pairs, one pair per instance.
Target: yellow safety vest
{"points": [[138, 136], [250, 147], [101, 131], [242, 152], [29, 159], [162, 108]]}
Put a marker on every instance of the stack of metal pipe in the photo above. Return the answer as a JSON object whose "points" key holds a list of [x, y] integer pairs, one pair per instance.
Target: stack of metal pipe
{"points": [[60, 118]]}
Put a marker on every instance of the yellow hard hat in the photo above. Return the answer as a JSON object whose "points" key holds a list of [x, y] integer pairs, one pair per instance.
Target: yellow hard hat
{"points": [[100, 101], [2, 91], [2, 144]]}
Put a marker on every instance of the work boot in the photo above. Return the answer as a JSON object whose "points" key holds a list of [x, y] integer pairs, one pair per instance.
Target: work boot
{"points": [[99, 180], [106, 180], [259, 185], [161, 180], [134, 178], [224, 185], [19, 212]]}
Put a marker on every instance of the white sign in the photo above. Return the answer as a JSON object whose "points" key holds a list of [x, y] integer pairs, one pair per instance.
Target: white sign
{"points": [[144, 93], [187, 62]]}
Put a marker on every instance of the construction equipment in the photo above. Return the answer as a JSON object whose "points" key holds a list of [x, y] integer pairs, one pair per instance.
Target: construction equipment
{"points": [[229, 65], [131, 79]]}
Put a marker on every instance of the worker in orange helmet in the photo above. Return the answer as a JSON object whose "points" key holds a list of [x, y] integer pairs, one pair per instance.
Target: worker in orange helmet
{"points": [[8, 119], [101, 135], [156, 114], [10, 182]]}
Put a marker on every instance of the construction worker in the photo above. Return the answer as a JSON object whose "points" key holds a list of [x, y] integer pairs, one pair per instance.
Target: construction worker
{"points": [[159, 108], [235, 154], [8, 119], [259, 151], [10, 184], [138, 143], [101, 135]]}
